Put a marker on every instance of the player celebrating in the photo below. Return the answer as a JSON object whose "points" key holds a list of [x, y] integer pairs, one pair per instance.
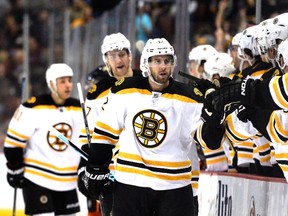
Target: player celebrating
{"points": [[117, 56], [151, 120]]}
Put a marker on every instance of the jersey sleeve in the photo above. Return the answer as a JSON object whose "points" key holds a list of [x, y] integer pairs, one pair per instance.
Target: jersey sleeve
{"points": [[107, 129], [20, 128], [195, 172], [276, 127], [90, 110], [208, 136], [272, 93], [238, 131]]}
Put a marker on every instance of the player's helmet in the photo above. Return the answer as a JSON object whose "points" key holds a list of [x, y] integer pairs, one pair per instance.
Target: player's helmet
{"points": [[201, 53], [282, 52], [221, 63], [247, 42], [280, 32], [261, 36], [56, 71], [116, 41], [236, 39], [155, 47]]}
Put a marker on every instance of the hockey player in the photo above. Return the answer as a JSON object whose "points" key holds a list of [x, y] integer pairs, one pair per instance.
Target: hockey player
{"points": [[218, 67], [38, 162], [150, 120], [117, 56], [239, 62], [197, 57]]}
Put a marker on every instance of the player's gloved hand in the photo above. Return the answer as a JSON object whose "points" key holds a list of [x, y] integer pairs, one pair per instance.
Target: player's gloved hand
{"points": [[15, 175], [95, 179], [203, 85], [234, 93], [92, 179], [209, 115], [81, 172], [245, 113]]}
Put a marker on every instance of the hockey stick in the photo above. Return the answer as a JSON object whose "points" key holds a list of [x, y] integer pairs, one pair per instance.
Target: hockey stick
{"points": [[23, 85], [188, 76], [82, 153], [14, 202], [84, 112]]}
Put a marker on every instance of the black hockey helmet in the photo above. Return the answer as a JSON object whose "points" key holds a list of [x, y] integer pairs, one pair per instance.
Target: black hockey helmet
{"points": [[96, 75]]}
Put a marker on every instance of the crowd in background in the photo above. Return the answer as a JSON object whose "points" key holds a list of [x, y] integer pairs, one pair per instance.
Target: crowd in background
{"points": [[211, 22]]}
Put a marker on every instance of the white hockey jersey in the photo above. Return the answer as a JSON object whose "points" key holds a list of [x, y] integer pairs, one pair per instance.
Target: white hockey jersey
{"points": [[48, 161], [156, 132]]}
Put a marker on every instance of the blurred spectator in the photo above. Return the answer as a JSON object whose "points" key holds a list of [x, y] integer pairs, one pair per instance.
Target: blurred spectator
{"points": [[39, 28], [143, 22], [12, 30], [163, 21], [77, 9], [9, 97], [5, 8], [86, 17], [38, 64]]}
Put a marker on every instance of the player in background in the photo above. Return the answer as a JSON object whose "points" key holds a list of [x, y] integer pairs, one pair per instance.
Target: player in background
{"points": [[268, 97], [239, 62], [117, 57], [196, 59], [151, 119], [253, 154], [218, 68], [38, 162]]}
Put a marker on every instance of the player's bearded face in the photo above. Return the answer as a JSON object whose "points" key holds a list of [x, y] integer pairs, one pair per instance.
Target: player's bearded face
{"points": [[119, 62], [161, 68]]}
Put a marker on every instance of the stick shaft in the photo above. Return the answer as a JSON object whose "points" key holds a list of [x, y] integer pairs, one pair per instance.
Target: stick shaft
{"points": [[82, 153], [83, 111], [14, 202], [188, 76]]}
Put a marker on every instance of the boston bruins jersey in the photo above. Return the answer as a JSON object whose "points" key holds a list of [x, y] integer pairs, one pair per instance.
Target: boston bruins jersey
{"points": [[96, 97], [256, 70], [48, 161], [152, 130]]}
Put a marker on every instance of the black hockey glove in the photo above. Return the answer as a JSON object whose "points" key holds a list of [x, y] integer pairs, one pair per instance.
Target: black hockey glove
{"points": [[82, 184], [95, 179], [15, 175], [81, 172], [209, 115], [231, 94], [244, 113]]}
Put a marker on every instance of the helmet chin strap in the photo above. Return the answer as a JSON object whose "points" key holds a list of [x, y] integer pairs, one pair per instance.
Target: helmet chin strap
{"points": [[154, 81], [53, 88], [152, 78]]}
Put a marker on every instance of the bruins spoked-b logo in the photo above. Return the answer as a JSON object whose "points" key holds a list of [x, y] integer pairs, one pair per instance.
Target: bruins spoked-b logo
{"points": [[54, 142], [150, 127]]}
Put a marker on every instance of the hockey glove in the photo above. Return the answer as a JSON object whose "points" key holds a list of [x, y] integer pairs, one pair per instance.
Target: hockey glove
{"points": [[95, 179], [244, 114], [233, 93], [210, 116], [81, 171], [15, 175]]}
